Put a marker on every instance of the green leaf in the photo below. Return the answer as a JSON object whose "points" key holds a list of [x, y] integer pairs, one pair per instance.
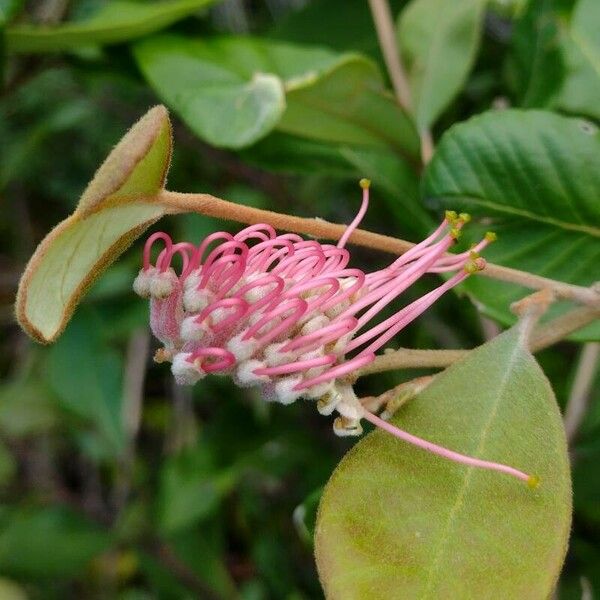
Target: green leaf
{"points": [[398, 182], [117, 21], [536, 65], [116, 207], [285, 153], [581, 46], [9, 590], [396, 521], [234, 91], [439, 42], [191, 488], [312, 24], [86, 378], [8, 466], [48, 543], [8, 9], [26, 409], [305, 516], [536, 175]]}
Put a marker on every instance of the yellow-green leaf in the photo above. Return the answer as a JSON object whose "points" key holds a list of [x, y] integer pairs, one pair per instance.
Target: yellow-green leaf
{"points": [[398, 522]]}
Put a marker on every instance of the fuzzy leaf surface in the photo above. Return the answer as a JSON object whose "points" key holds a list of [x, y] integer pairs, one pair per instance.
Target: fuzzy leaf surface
{"points": [[398, 522], [117, 206], [233, 92]]}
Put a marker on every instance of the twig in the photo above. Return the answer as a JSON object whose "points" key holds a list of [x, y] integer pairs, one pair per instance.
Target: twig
{"points": [[544, 336], [396, 397], [384, 25], [578, 401], [222, 209], [382, 17], [554, 331], [133, 393]]}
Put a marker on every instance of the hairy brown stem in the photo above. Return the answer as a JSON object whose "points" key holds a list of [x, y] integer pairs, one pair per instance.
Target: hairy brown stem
{"points": [[544, 336], [222, 209], [386, 34], [382, 17]]}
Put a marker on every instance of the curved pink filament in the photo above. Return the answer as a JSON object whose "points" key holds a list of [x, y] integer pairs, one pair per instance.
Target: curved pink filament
{"points": [[444, 452], [269, 297], [159, 235], [401, 319], [358, 275], [255, 231], [339, 371], [298, 308], [261, 256], [332, 285], [240, 306], [227, 271], [335, 258], [217, 235], [297, 366], [165, 258], [323, 336], [225, 251], [359, 217], [227, 359], [387, 293]]}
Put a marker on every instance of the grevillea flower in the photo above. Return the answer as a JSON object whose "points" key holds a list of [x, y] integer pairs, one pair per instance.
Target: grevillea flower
{"points": [[289, 316]]}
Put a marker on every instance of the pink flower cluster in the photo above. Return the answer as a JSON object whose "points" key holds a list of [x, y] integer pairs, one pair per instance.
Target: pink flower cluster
{"points": [[289, 315]]}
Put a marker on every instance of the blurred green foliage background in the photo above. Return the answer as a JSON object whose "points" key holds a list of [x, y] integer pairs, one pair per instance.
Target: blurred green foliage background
{"points": [[114, 482]]}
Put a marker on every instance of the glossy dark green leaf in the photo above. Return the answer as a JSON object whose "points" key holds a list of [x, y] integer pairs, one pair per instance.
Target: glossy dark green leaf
{"points": [[536, 175], [398, 522], [48, 542], [117, 21], [439, 42]]}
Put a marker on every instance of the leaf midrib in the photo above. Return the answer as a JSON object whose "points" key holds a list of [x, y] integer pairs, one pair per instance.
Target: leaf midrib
{"points": [[503, 208], [460, 496]]}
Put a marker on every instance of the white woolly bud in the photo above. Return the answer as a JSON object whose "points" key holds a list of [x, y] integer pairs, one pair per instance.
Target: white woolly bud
{"points": [[219, 314], [196, 300], [328, 402], [192, 331], [184, 371], [347, 427], [314, 324], [275, 357], [162, 284], [257, 293], [141, 284], [316, 392], [240, 348], [192, 280], [284, 389], [245, 375]]}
